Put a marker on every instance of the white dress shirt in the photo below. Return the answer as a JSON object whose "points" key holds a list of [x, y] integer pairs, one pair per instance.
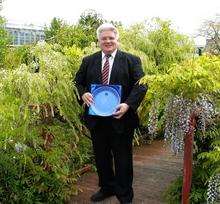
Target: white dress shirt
{"points": [[111, 61]]}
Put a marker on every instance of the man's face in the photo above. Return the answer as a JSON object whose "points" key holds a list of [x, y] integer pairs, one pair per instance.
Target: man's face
{"points": [[108, 42]]}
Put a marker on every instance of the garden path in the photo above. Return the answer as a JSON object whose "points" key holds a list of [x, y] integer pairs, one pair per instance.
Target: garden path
{"points": [[155, 167]]}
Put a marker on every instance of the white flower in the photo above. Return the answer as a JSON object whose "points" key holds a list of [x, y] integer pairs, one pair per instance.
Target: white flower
{"points": [[20, 147]]}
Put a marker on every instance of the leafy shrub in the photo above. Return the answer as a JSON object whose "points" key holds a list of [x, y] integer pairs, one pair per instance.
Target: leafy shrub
{"points": [[41, 141]]}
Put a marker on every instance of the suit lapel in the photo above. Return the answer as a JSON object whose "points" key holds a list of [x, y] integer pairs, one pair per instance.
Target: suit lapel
{"points": [[98, 67], [115, 66]]}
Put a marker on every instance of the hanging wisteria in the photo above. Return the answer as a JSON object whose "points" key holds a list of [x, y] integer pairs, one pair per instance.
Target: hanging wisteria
{"points": [[205, 112], [153, 120], [177, 115], [213, 193]]}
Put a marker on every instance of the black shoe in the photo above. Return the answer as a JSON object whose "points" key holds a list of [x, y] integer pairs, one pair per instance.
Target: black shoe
{"points": [[101, 195]]}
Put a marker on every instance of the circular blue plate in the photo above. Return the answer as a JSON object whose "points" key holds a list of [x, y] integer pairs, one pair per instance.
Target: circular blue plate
{"points": [[105, 100]]}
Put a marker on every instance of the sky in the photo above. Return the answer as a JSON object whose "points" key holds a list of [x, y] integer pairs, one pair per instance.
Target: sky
{"points": [[186, 16]]}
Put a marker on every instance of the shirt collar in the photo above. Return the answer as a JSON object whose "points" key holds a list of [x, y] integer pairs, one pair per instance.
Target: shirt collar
{"points": [[112, 55]]}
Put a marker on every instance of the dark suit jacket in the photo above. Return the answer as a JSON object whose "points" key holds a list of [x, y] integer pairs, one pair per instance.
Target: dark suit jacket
{"points": [[126, 71]]}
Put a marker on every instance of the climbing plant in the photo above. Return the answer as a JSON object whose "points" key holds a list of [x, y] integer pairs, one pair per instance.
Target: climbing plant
{"points": [[41, 140], [189, 89]]}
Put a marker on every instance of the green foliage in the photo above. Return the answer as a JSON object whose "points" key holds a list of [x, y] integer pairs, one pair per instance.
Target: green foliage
{"points": [[188, 79], [51, 32], [173, 194], [4, 41], [69, 36], [80, 35], [209, 151], [15, 56], [89, 21], [167, 46], [158, 45], [74, 56], [40, 128], [137, 44]]}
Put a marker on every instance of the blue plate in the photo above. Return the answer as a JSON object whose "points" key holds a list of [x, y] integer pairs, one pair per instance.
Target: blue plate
{"points": [[106, 98]]}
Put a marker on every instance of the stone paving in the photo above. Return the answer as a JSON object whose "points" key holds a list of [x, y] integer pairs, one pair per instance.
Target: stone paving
{"points": [[155, 167]]}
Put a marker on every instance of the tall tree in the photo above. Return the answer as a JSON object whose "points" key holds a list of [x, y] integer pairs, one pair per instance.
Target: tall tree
{"points": [[90, 20], [211, 31], [167, 46], [161, 44], [51, 32]]}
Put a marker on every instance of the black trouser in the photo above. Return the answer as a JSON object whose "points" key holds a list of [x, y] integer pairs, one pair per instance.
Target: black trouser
{"points": [[109, 146]]}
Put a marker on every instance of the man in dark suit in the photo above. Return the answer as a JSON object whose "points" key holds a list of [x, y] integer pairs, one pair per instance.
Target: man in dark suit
{"points": [[112, 136]]}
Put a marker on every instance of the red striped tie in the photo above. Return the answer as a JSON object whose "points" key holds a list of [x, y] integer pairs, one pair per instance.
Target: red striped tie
{"points": [[105, 70]]}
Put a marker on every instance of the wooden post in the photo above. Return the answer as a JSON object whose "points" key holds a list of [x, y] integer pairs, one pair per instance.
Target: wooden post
{"points": [[188, 160]]}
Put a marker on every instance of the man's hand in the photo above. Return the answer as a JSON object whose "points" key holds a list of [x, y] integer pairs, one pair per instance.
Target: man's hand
{"points": [[121, 110], [87, 98]]}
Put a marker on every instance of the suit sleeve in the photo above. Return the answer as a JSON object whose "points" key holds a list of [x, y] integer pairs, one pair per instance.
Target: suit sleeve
{"points": [[80, 78], [138, 90]]}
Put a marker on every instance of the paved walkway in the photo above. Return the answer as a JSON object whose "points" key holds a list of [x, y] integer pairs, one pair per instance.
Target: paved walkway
{"points": [[155, 167]]}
